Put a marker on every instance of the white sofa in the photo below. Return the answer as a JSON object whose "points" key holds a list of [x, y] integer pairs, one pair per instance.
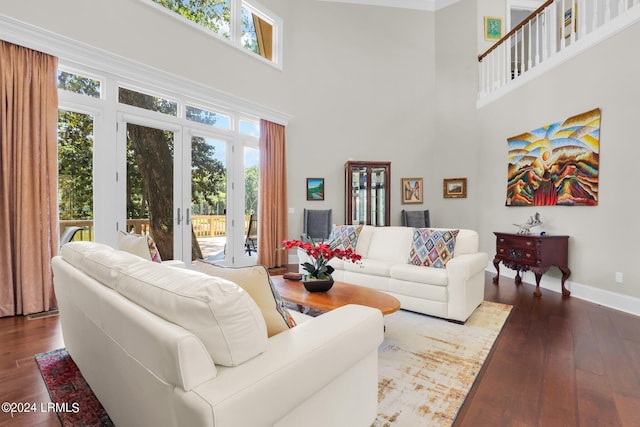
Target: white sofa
{"points": [[452, 292], [167, 346]]}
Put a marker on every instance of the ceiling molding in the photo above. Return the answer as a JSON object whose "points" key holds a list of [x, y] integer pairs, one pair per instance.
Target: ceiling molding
{"points": [[429, 5], [71, 52]]}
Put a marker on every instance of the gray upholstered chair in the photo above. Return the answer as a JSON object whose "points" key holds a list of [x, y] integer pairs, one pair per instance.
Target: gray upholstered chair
{"points": [[418, 219], [69, 233], [317, 224]]}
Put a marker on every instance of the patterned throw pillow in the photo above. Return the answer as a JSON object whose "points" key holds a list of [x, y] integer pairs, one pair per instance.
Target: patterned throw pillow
{"points": [[139, 244], [432, 248], [345, 237]]}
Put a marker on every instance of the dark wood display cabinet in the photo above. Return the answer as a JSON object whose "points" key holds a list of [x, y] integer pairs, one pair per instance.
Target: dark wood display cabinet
{"points": [[523, 252], [367, 198]]}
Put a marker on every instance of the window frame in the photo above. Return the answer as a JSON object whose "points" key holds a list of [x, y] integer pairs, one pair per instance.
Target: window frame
{"points": [[235, 37]]}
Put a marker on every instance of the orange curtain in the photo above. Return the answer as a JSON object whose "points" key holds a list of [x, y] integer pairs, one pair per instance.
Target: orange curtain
{"points": [[28, 179], [272, 200]]}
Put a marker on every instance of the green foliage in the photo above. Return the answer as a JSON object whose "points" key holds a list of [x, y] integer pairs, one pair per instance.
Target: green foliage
{"points": [[75, 165], [209, 179], [212, 14], [78, 84], [251, 190]]}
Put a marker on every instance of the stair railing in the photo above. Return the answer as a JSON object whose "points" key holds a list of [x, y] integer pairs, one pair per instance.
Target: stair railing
{"points": [[555, 26]]}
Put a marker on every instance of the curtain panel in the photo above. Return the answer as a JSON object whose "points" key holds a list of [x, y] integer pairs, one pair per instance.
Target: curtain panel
{"points": [[272, 200], [29, 234]]}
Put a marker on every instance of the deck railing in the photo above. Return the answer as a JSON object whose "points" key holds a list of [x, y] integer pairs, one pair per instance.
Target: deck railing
{"points": [[555, 26], [203, 226]]}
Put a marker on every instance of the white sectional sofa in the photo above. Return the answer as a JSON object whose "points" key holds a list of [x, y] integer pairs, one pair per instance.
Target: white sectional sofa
{"points": [[452, 292], [167, 346]]}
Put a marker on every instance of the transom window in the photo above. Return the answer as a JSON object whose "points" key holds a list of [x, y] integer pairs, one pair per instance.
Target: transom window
{"points": [[244, 23]]}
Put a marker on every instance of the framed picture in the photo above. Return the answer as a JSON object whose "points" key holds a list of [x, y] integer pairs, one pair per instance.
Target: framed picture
{"points": [[412, 190], [570, 17], [492, 28], [454, 188], [315, 188]]}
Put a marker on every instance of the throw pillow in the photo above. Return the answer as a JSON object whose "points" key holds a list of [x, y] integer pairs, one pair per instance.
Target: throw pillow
{"points": [[344, 237], [432, 248], [256, 282], [139, 244]]}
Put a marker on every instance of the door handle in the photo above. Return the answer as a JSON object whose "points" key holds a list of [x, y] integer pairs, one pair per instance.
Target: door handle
{"points": [[179, 219], [188, 216]]}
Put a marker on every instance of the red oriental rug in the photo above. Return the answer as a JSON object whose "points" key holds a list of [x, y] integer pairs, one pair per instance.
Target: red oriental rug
{"points": [[75, 403]]}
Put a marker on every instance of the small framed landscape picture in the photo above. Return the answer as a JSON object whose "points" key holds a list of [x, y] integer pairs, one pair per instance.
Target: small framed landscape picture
{"points": [[412, 190], [315, 188], [492, 28], [455, 188]]}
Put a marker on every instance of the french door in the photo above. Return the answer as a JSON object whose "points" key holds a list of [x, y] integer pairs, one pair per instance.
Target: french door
{"points": [[186, 189]]}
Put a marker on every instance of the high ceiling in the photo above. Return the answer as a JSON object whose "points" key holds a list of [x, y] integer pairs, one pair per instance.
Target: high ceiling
{"points": [[431, 5]]}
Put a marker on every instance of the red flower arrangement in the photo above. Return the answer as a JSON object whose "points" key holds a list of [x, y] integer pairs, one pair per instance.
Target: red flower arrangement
{"points": [[321, 254]]}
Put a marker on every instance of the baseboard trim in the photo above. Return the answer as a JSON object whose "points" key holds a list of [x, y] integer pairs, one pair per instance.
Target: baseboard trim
{"points": [[620, 302]]}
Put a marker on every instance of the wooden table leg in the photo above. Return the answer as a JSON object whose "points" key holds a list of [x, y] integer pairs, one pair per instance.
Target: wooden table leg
{"points": [[496, 264], [518, 278], [537, 292], [565, 274]]}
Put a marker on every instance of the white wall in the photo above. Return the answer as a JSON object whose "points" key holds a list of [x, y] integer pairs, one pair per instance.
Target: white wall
{"points": [[603, 238], [359, 81], [361, 88], [377, 83]]}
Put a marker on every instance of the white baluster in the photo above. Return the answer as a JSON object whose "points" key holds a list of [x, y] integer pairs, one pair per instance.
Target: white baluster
{"points": [[522, 63], [537, 44], [573, 22], [607, 11], [594, 22], [529, 62], [562, 25], [552, 20], [582, 15], [545, 34], [507, 58], [503, 69]]}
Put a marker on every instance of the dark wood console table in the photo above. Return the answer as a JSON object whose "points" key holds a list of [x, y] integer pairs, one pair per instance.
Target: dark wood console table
{"points": [[523, 252]]}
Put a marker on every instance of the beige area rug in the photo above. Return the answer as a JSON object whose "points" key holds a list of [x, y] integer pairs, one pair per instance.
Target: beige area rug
{"points": [[427, 365]]}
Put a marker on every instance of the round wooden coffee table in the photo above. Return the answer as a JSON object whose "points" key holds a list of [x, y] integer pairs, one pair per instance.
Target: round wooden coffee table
{"points": [[340, 294]]}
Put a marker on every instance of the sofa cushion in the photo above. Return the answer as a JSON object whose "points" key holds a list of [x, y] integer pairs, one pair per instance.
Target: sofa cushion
{"points": [[344, 237], [373, 267], [139, 244], [467, 242], [390, 244], [219, 312], [255, 280], [432, 248], [419, 274], [98, 260]]}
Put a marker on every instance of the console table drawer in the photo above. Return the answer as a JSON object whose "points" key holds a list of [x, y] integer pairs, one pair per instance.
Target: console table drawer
{"points": [[516, 242], [511, 253]]}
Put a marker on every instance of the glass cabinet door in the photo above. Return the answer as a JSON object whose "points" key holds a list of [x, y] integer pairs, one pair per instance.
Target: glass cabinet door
{"points": [[358, 196], [367, 193]]}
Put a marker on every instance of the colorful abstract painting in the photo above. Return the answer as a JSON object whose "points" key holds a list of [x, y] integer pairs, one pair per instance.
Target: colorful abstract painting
{"points": [[556, 164]]}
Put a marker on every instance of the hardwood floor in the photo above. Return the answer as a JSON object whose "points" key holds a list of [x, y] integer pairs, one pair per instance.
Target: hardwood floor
{"points": [[558, 362]]}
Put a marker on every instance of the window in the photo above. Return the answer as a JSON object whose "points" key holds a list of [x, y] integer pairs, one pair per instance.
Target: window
{"points": [[75, 171], [148, 102], [250, 128], [253, 28], [208, 117], [257, 33], [78, 84]]}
